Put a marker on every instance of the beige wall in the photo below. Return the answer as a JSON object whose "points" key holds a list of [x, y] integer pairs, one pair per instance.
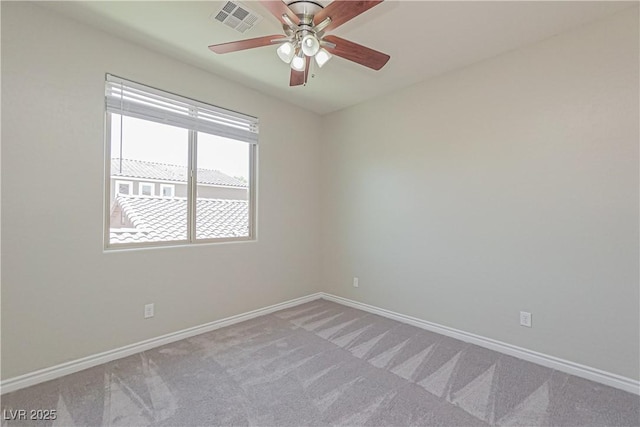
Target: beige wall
{"points": [[62, 297], [509, 185]]}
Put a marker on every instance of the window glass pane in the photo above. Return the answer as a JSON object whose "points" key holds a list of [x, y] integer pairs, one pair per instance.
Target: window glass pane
{"points": [[124, 188], [222, 205], [142, 151], [168, 191], [146, 189]]}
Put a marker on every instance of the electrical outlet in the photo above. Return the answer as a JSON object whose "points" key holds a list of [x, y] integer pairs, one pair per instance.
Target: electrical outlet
{"points": [[148, 311], [525, 319], [355, 282]]}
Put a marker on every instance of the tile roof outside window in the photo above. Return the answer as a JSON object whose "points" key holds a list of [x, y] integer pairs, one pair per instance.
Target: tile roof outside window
{"points": [[160, 219], [165, 172]]}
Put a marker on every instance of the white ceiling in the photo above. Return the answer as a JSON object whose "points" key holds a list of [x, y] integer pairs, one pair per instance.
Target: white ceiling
{"points": [[424, 39]]}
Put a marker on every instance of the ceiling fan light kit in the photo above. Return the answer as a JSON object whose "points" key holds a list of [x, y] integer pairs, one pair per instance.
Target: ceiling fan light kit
{"points": [[298, 63], [322, 57], [307, 39], [310, 45], [286, 52]]}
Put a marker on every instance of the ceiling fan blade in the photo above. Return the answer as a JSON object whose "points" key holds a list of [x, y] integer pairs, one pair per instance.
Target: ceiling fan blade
{"points": [[341, 11], [244, 44], [357, 53], [300, 77], [278, 8]]}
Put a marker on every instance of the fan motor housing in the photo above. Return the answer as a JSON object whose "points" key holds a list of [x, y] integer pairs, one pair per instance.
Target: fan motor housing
{"points": [[305, 10]]}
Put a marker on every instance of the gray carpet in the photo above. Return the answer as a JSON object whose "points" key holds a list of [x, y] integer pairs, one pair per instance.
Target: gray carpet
{"points": [[324, 364]]}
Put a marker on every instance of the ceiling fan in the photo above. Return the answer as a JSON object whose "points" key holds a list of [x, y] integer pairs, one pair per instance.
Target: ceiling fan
{"points": [[305, 24]]}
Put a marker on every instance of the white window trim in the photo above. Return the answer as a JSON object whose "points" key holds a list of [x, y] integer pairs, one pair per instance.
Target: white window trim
{"points": [[170, 187], [127, 183], [148, 184]]}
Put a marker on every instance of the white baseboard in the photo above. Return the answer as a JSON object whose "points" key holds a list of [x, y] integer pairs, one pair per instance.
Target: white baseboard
{"points": [[593, 374], [42, 375]]}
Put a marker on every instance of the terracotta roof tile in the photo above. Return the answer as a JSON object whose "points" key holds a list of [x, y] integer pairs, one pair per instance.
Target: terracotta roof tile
{"points": [[159, 219], [167, 172]]}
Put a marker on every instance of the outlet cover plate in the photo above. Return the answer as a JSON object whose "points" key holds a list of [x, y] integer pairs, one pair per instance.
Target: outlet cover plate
{"points": [[148, 311], [525, 319]]}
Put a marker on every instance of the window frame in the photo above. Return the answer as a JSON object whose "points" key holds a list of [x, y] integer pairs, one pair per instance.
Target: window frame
{"points": [[148, 184], [172, 187], [118, 182], [191, 240]]}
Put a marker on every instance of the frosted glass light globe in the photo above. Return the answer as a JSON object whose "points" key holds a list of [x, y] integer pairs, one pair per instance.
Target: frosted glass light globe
{"points": [[298, 63], [310, 45], [322, 57], [286, 52]]}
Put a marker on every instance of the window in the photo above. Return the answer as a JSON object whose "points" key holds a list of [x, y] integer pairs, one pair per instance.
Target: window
{"points": [[124, 187], [167, 190], [146, 189], [200, 157]]}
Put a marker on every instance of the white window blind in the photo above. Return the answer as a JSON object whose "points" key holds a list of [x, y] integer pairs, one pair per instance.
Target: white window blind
{"points": [[143, 102]]}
